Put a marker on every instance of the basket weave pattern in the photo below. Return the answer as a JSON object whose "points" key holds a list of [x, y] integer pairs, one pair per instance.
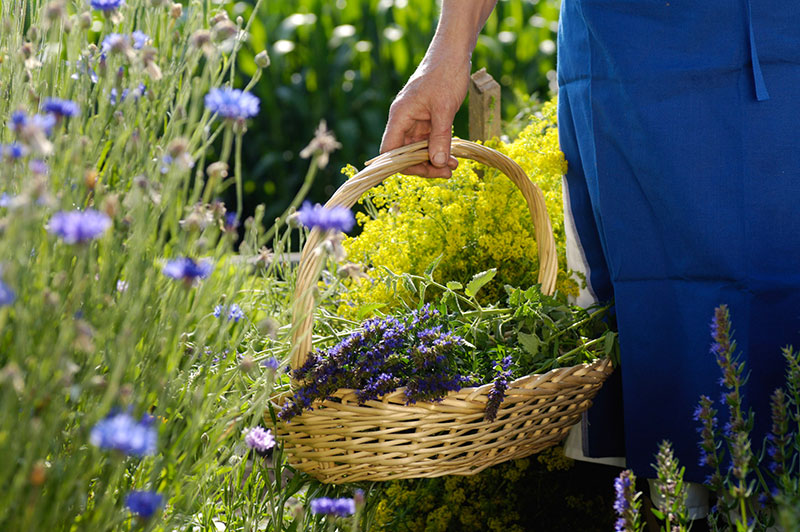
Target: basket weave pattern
{"points": [[342, 441]]}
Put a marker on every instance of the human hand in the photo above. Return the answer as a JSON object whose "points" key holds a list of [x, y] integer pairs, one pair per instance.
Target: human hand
{"points": [[424, 110]]}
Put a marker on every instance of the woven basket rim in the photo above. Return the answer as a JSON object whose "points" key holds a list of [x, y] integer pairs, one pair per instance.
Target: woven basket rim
{"points": [[483, 389]]}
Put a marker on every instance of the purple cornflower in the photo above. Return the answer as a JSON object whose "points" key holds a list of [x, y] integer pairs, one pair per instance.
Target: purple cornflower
{"points": [[143, 503], [232, 103], [187, 269], [7, 295], [626, 503], [233, 311], [75, 227], [140, 38], [326, 219], [106, 5], [6, 200], [38, 167], [333, 507], [260, 440], [60, 108], [120, 432], [499, 387]]}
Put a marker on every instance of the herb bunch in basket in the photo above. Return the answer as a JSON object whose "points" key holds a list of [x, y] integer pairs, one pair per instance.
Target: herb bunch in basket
{"points": [[433, 350]]}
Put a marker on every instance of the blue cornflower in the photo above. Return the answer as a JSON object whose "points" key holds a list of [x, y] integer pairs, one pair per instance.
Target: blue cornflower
{"points": [[233, 311], [231, 222], [44, 122], [143, 503], [38, 167], [115, 42], [335, 218], [7, 295], [115, 95], [15, 150], [333, 507], [232, 103], [187, 269], [60, 108], [120, 432], [271, 363], [259, 439], [18, 120], [79, 226], [106, 5], [6, 200], [140, 38]]}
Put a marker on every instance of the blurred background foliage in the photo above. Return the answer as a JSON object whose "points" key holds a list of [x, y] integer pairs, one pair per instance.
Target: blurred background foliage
{"points": [[343, 61]]}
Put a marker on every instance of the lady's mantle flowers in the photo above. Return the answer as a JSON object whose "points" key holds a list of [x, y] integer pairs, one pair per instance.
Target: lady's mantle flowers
{"points": [[120, 432], [74, 227], [334, 218], [232, 103], [187, 269], [260, 440], [143, 503], [333, 507]]}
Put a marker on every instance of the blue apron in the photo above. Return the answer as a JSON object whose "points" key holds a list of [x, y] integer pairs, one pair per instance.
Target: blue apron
{"points": [[680, 121]]}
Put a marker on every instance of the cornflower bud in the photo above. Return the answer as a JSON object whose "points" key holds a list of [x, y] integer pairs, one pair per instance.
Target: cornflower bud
{"points": [[176, 10], [262, 59], [85, 20]]}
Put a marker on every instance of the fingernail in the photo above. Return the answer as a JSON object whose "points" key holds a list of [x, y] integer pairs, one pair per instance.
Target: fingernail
{"points": [[439, 159]]}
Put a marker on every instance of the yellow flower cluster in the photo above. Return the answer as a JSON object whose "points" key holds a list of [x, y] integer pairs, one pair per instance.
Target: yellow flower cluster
{"points": [[476, 221], [483, 502]]}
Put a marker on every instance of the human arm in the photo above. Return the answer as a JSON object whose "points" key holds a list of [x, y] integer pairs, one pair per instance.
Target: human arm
{"points": [[425, 107]]}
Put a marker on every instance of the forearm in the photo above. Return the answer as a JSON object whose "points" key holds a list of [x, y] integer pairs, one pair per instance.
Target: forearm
{"points": [[459, 25]]}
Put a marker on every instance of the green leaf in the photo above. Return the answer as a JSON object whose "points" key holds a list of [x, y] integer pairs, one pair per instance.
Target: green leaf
{"points": [[454, 285], [608, 343], [365, 310], [479, 280], [530, 342], [432, 266], [408, 283]]}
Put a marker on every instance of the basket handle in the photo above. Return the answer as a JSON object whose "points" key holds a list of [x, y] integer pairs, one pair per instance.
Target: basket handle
{"points": [[373, 174]]}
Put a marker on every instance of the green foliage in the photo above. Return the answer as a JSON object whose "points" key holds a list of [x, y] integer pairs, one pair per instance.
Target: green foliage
{"points": [[344, 62]]}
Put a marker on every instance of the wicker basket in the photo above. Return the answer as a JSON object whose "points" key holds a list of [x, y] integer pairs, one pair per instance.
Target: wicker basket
{"points": [[387, 439]]}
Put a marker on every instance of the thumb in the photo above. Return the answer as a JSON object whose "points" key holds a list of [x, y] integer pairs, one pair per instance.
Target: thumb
{"points": [[439, 139]]}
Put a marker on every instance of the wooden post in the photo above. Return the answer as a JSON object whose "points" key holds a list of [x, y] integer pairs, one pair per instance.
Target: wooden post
{"points": [[484, 106]]}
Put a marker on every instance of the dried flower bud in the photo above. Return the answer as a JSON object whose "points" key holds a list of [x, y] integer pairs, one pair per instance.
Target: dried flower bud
{"points": [[27, 50], [54, 11], [219, 17], [200, 38], [110, 205], [225, 30], [178, 146], [85, 21], [176, 10], [217, 170], [90, 178], [262, 59]]}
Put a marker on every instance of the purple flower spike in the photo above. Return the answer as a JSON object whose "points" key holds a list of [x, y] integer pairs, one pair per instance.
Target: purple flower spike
{"points": [[187, 269], [333, 507], [120, 432], [232, 103], [75, 227], [335, 218], [60, 108], [259, 439], [106, 5], [233, 312], [143, 503]]}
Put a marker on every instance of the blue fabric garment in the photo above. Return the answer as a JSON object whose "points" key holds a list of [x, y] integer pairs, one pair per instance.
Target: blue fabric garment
{"points": [[680, 122]]}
